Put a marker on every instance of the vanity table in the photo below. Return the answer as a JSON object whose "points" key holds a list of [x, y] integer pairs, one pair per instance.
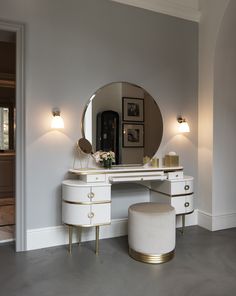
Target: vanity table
{"points": [[123, 118], [86, 201]]}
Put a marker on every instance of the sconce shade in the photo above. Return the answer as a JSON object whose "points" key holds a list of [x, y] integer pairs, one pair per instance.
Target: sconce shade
{"points": [[183, 125], [57, 120]]}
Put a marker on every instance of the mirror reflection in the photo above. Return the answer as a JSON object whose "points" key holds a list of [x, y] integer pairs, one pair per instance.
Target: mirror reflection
{"points": [[124, 118]]}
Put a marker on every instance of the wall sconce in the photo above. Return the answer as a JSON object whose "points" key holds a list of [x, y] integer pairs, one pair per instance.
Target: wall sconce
{"points": [[57, 120], [183, 125]]}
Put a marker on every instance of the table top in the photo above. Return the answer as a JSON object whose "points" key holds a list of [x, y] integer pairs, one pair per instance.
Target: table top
{"points": [[123, 169]]}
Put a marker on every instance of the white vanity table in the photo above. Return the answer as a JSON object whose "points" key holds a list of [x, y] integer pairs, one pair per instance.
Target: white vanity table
{"points": [[87, 200], [123, 118]]}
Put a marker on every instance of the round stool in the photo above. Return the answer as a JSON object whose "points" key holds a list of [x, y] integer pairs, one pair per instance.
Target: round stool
{"points": [[151, 232]]}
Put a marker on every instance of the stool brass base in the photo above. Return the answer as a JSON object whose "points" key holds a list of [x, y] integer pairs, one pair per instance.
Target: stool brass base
{"points": [[151, 258]]}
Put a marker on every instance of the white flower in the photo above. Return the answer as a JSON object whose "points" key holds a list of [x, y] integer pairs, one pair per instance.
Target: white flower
{"points": [[99, 156]]}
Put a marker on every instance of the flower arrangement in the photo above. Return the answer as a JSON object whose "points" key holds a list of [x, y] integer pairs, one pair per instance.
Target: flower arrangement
{"points": [[104, 157]]}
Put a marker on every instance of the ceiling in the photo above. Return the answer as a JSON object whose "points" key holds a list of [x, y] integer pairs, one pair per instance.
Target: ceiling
{"points": [[186, 9]]}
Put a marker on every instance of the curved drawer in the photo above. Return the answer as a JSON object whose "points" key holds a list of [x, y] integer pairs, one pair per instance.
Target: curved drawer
{"points": [[86, 215], [182, 204], [85, 194], [75, 214], [175, 187]]}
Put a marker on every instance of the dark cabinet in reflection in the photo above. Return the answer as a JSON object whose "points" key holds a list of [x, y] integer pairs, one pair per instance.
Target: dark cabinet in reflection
{"points": [[108, 132]]}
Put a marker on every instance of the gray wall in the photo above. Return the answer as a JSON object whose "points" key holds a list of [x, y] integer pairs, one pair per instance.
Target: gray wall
{"points": [[73, 47], [224, 198]]}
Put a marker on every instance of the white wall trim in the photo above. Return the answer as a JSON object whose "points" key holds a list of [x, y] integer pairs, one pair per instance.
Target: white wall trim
{"points": [[168, 7], [205, 220], [216, 222], [20, 133], [58, 235]]}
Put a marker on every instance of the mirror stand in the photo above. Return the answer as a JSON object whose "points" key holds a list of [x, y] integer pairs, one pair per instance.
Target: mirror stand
{"points": [[83, 151]]}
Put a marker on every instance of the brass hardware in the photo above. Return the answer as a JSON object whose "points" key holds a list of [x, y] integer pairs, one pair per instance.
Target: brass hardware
{"points": [[186, 187], [97, 240], [186, 204], [151, 258], [87, 203], [92, 195], [90, 215], [161, 169]]}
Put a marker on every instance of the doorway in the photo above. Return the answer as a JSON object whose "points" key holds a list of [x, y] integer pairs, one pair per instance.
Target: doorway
{"points": [[13, 143], [7, 135]]}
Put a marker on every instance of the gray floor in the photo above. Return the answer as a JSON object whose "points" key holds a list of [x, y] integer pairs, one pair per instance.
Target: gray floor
{"points": [[205, 264]]}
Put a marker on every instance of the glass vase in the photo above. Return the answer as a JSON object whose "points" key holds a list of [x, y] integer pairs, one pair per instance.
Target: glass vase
{"points": [[107, 163]]}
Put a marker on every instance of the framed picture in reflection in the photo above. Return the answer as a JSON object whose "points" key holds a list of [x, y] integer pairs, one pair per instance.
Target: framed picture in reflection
{"points": [[133, 135], [132, 109]]}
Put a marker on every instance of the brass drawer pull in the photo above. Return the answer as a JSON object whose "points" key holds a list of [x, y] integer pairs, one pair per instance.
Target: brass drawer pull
{"points": [[186, 204], [90, 215], [186, 187]]}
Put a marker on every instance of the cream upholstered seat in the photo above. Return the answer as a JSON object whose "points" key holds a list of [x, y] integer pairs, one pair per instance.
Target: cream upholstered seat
{"points": [[151, 232]]}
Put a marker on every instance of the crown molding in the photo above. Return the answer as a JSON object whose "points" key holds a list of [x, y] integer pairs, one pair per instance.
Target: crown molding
{"points": [[178, 8]]}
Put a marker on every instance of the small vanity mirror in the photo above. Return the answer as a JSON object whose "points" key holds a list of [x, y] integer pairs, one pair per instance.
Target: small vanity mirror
{"points": [[84, 145], [124, 118]]}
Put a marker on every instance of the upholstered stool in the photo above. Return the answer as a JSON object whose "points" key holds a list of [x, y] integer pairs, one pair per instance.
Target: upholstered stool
{"points": [[151, 232]]}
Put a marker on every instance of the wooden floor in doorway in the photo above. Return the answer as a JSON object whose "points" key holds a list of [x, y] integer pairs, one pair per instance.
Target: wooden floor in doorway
{"points": [[7, 233]]}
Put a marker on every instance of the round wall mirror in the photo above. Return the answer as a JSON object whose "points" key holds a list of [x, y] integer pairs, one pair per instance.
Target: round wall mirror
{"points": [[123, 118]]}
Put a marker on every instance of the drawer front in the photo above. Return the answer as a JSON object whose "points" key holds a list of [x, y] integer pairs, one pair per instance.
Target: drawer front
{"points": [[175, 175], [94, 178], [76, 193], [189, 203], [174, 187], [182, 204], [76, 214], [100, 193], [101, 214], [181, 187]]}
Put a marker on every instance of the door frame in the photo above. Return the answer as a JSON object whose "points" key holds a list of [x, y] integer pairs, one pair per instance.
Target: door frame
{"points": [[20, 236]]}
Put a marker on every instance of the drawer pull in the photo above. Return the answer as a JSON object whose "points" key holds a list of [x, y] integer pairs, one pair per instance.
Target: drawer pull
{"points": [[90, 195], [90, 215], [186, 204], [186, 187]]}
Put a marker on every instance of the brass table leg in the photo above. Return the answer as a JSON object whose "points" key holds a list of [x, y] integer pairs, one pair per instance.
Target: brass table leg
{"points": [[79, 235], [70, 238], [97, 240], [183, 224]]}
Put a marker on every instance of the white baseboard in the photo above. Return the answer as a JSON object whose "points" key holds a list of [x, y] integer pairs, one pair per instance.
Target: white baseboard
{"points": [[205, 220], [216, 222], [58, 235]]}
